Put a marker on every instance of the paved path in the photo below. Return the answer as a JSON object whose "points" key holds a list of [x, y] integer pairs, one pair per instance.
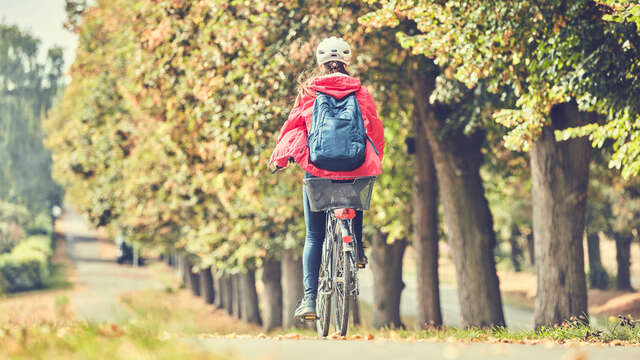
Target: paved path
{"points": [[516, 318], [100, 281], [387, 350]]}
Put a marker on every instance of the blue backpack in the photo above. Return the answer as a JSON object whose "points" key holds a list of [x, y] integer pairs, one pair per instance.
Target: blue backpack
{"points": [[337, 139]]}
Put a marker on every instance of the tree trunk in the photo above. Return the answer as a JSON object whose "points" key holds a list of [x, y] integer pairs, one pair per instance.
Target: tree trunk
{"points": [[467, 218], [598, 277], [623, 257], [516, 251], [194, 280], [560, 174], [206, 285], [271, 277], [218, 294], [250, 312], [292, 286], [386, 266], [237, 297], [531, 250], [227, 293], [425, 228], [183, 268]]}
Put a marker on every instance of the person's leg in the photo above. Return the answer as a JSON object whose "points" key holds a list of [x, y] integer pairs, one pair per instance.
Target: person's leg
{"points": [[357, 232], [312, 253]]}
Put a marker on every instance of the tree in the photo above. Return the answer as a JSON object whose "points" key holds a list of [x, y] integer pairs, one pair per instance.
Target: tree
{"points": [[450, 116], [27, 91], [556, 57], [189, 96]]}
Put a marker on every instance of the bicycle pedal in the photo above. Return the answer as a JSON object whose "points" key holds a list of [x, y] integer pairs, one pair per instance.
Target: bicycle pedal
{"points": [[361, 266]]}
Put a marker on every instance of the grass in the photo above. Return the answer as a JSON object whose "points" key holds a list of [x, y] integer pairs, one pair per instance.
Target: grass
{"points": [[134, 340], [178, 312], [621, 330], [181, 314]]}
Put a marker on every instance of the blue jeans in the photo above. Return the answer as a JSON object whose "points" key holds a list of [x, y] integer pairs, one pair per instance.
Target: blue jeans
{"points": [[312, 254]]}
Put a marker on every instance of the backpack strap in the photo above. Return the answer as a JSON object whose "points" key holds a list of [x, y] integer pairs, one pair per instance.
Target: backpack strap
{"points": [[372, 144]]}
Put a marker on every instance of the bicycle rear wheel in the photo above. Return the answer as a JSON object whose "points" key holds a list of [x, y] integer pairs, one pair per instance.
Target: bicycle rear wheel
{"points": [[342, 285], [325, 285]]}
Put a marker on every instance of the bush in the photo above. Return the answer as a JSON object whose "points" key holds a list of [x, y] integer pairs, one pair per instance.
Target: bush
{"points": [[41, 225], [27, 265]]}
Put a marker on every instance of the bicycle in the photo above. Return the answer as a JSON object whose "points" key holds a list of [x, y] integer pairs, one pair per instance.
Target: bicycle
{"points": [[338, 276]]}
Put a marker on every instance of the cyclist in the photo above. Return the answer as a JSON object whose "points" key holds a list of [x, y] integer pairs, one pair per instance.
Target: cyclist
{"points": [[330, 77]]}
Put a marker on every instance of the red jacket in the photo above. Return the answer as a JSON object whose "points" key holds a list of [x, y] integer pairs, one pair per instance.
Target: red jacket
{"points": [[292, 142]]}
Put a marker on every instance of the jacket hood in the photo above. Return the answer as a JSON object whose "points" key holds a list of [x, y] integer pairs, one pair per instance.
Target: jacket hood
{"points": [[337, 86]]}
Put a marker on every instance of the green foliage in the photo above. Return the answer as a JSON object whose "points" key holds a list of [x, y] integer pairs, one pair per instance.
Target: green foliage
{"points": [[27, 90], [26, 267], [41, 224], [166, 129], [544, 53]]}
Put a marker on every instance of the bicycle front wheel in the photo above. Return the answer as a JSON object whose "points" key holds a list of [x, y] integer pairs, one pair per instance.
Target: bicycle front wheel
{"points": [[341, 286]]}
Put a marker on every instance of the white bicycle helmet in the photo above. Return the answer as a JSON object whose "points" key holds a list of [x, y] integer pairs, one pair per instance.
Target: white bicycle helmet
{"points": [[333, 49]]}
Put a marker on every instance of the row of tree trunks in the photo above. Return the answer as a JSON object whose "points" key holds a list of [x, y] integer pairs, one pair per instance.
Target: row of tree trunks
{"points": [[560, 174], [467, 218], [237, 293]]}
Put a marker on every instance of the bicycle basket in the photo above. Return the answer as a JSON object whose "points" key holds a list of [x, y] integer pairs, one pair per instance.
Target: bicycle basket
{"points": [[326, 194]]}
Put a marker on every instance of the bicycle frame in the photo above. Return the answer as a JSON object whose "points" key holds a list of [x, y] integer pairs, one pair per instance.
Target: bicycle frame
{"points": [[338, 280]]}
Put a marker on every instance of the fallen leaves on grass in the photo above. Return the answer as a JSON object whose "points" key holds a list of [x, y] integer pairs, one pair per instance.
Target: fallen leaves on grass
{"points": [[110, 330]]}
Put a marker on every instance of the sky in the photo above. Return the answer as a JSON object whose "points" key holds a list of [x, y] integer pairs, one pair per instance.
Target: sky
{"points": [[43, 19]]}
